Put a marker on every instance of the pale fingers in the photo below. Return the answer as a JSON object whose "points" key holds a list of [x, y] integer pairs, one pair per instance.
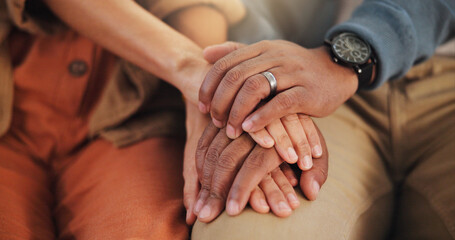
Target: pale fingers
{"points": [[311, 134], [286, 188], [258, 201], [283, 143], [275, 197], [263, 138], [297, 134]]}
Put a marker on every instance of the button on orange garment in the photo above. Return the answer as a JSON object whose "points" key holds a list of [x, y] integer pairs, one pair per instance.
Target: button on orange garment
{"points": [[78, 68], [57, 83]]}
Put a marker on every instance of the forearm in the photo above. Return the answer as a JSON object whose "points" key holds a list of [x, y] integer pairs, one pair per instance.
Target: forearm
{"points": [[134, 34], [205, 26]]}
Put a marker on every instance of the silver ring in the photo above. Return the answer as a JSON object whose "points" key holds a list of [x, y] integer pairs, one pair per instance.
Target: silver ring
{"points": [[272, 82]]}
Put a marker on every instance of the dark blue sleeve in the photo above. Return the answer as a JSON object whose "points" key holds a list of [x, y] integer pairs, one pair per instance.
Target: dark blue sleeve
{"points": [[402, 33]]}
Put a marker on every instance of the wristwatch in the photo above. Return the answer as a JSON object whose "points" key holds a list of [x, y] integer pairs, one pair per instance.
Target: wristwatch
{"points": [[349, 50]]}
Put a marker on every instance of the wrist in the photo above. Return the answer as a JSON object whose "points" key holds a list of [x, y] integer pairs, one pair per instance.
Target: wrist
{"points": [[195, 120], [345, 76]]}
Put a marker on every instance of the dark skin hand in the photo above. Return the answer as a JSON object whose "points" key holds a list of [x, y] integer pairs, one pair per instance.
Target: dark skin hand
{"points": [[231, 170], [308, 82]]}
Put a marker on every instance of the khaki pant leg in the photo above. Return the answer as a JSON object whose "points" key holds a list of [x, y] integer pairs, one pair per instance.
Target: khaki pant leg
{"points": [[426, 208], [134, 192], [354, 203], [25, 198]]}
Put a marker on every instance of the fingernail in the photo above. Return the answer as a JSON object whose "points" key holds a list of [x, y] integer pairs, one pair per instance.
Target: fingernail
{"points": [[232, 208], [198, 206], [202, 107], [293, 199], [263, 203], [307, 162], [268, 141], [217, 123], [230, 132], [284, 207], [247, 125], [205, 212], [292, 155], [316, 188], [317, 151]]}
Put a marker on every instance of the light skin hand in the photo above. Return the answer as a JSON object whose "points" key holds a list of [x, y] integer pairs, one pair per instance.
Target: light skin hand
{"points": [[296, 139], [308, 80], [275, 191], [172, 56]]}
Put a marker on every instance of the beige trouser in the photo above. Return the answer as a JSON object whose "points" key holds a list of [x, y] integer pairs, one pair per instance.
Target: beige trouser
{"points": [[391, 171]]}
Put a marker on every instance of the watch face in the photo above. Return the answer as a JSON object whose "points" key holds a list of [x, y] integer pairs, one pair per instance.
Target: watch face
{"points": [[351, 49]]}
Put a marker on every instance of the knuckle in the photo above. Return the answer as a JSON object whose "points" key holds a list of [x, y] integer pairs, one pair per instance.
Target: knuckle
{"points": [[205, 188], [291, 118], [212, 155], [306, 119], [255, 162], [285, 101], [233, 77], [220, 66], [252, 85], [276, 194], [282, 139], [285, 187], [227, 161], [206, 178], [303, 144]]}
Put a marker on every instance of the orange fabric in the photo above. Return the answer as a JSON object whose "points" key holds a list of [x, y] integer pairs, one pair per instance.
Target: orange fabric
{"points": [[54, 181]]}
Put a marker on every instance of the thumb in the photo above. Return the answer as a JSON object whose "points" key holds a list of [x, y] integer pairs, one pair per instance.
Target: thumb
{"points": [[215, 52]]}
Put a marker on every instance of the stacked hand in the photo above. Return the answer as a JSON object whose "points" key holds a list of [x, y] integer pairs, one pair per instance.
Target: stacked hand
{"points": [[231, 172], [308, 82], [235, 171]]}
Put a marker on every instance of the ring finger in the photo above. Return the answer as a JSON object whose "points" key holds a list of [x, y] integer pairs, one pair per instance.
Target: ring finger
{"points": [[232, 81], [254, 90]]}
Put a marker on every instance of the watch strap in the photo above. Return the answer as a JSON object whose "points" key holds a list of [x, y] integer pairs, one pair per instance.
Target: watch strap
{"points": [[366, 73]]}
